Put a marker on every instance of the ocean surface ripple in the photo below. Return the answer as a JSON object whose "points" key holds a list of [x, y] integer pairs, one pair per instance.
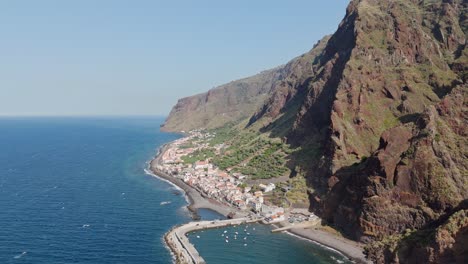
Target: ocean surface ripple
{"points": [[75, 190]]}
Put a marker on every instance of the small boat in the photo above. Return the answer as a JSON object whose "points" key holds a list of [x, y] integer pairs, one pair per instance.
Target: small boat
{"points": [[198, 236], [225, 231], [84, 226], [222, 234], [245, 238], [227, 241], [248, 233], [245, 245], [165, 202], [254, 228], [236, 233]]}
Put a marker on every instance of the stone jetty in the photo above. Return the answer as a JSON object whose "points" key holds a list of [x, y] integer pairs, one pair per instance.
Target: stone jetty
{"points": [[183, 250]]}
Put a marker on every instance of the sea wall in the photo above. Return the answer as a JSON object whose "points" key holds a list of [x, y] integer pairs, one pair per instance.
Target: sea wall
{"points": [[183, 250]]}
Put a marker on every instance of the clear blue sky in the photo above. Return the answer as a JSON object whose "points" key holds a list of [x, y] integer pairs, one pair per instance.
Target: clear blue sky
{"points": [[137, 57]]}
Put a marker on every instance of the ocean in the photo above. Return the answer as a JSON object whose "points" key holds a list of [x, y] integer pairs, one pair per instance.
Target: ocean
{"points": [[75, 190]]}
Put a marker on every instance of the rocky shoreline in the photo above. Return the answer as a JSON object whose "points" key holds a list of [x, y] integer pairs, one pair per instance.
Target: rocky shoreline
{"points": [[196, 200]]}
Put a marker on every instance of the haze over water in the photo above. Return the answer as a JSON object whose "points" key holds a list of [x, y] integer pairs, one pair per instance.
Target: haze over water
{"points": [[74, 190]]}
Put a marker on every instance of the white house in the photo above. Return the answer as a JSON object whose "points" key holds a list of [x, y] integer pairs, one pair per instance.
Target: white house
{"points": [[270, 187], [256, 205], [267, 188], [203, 164]]}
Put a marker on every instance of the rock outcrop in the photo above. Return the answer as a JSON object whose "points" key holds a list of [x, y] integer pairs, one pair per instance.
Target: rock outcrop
{"points": [[386, 104]]}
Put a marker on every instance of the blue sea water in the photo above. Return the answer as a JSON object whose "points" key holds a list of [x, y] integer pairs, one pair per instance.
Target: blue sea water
{"points": [[255, 244], [74, 190]]}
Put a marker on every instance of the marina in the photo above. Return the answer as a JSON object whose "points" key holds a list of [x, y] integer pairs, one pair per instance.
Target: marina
{"points": [[297, 221], [260, 246], [183, 250]]}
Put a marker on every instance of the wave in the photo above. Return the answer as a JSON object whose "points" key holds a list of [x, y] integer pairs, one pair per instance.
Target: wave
{"points": [[150, 173], [173, 256], [20, 255]]}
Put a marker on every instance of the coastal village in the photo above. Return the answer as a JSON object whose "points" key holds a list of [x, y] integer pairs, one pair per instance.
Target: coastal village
{"points": [[228, 188], [247, 203]]}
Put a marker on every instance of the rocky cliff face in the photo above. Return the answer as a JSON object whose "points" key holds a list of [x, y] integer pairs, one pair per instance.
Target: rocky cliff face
{"points": [[385, 104], [382, 104], [237, 100], [222, 105]]}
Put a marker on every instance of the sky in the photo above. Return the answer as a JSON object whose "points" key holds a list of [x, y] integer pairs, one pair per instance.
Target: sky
{"points": [[137, 57]]}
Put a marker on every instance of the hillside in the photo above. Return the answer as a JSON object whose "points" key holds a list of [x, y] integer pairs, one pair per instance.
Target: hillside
{"points": [[376, 119], [221, 105], [229, 103]]}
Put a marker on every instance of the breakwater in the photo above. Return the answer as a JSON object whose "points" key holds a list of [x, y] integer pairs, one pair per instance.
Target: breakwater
{"points": [[183, 250]]}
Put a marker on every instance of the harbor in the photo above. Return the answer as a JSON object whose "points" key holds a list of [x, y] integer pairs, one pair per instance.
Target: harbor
{"points": [[183, 250], [207, 187]]}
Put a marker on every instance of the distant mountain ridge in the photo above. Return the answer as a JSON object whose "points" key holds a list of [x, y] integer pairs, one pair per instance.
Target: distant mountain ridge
{"points": [[221, 105], [231, 102], [382, 102]]}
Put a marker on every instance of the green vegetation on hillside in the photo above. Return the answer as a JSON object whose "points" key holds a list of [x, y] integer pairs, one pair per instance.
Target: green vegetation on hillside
{"points": [[250, 153], [197, 155], [298, 193], [222, 135]]}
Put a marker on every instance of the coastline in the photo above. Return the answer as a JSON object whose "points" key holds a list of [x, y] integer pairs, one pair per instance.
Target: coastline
{"points": [[196, 200], [346, 247]]}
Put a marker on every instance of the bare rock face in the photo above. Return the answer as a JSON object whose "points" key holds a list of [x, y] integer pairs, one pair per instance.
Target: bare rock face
{"points": [[393, 143], [385, 103], [222, 105], [241, 99], [442, 242]]}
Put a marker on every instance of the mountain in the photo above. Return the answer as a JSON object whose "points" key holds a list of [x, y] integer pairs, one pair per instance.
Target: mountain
{"points": [[221, 105], [380, 114], [229, 103]]}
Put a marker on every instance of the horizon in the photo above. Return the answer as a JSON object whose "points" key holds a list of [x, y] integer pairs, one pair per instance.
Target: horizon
{"points": [[84, 116], [113, 58]]}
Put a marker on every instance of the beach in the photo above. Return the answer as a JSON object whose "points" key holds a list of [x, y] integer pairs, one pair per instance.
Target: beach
{"points": [[347, 247], [196, 200]]}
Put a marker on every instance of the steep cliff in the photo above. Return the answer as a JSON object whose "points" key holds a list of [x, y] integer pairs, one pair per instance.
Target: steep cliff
{"points": [[221, 105], [385, 106], [379, 114], [235, 101]]}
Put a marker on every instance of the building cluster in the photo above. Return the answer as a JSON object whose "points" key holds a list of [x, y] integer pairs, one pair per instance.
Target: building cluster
{"points": [[183, 147], [272, 213], [302, 214], [215, 183]]}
